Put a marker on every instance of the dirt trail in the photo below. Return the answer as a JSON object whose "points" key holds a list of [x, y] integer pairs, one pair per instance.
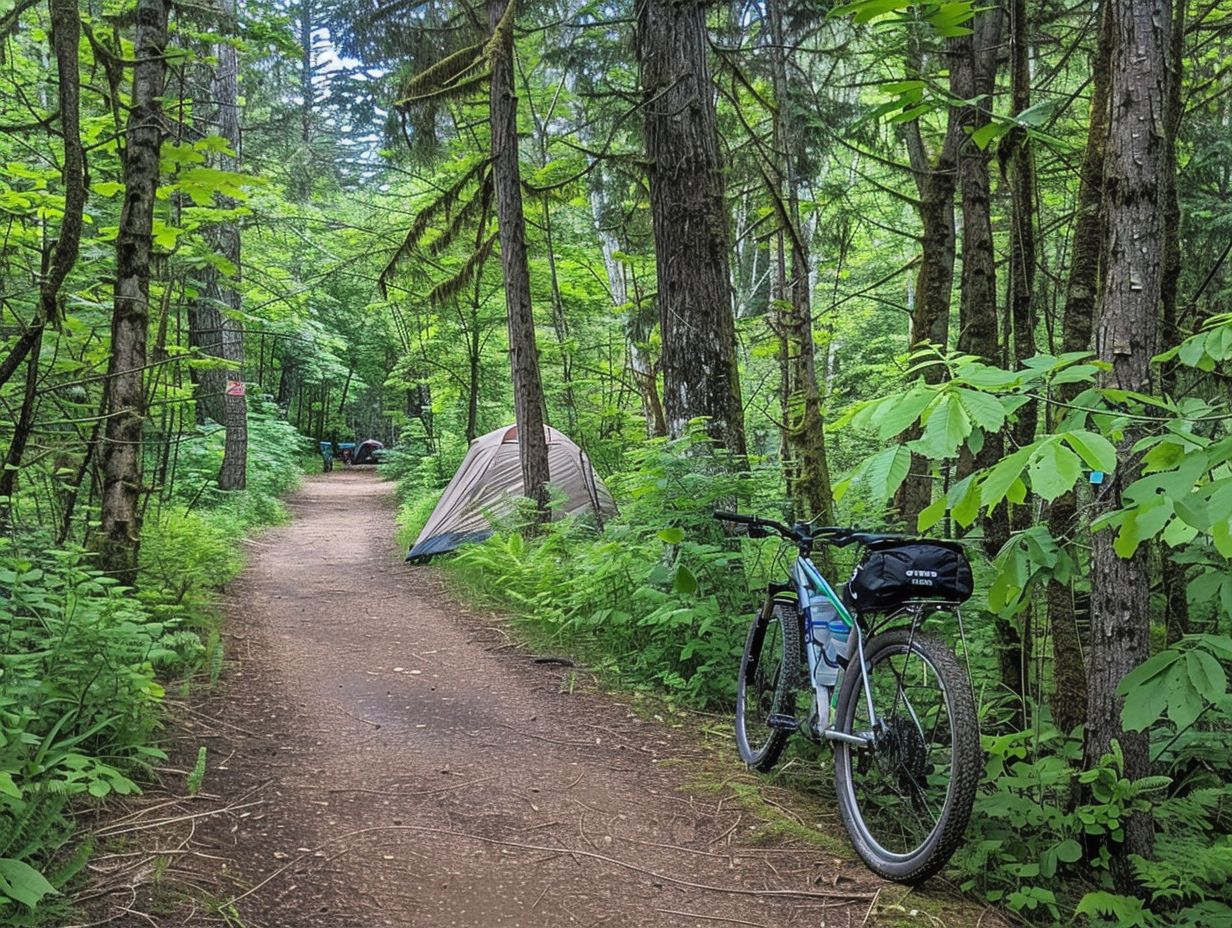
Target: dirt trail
{"points": [[388, 760]]}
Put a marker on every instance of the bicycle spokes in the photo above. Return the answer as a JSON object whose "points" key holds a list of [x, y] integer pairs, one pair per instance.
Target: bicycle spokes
{"points": [[901, 781]]}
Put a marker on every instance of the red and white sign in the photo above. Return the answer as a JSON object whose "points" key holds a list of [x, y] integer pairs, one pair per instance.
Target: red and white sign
{"points": [[235, 388]]}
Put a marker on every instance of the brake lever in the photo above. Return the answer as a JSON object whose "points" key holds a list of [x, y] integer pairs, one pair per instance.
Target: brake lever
{"points": [[757, 531]]}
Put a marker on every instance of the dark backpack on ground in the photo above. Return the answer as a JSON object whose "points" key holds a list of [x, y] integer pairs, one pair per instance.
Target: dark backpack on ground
{"points": [[898, 570]]}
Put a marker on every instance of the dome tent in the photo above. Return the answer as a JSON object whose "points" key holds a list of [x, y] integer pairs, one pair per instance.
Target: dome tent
{"points": [[489, 481], [366, 453]]}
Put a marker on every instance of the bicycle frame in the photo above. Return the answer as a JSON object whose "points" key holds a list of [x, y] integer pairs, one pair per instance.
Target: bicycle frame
{"points": [[808, 582]]}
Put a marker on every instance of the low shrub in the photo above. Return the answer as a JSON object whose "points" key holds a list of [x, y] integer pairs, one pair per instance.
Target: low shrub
{"points": [[84, 662]]}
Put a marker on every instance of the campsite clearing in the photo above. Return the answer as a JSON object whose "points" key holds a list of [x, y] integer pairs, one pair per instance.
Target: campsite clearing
{"points": [[378, 755]]}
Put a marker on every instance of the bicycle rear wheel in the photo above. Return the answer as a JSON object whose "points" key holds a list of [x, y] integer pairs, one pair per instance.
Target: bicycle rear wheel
{"points": [[905, 800], [767, 684]]}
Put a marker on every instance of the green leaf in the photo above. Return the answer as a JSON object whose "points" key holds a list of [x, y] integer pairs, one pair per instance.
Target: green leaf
{"points": [[1035, 116], [897, 416], [1068, 851], [1053, 470], [671, 536], [964, 498], [997, 483], [685, 581], [984, 409], [989, 132], [1148, 671], [864, 10], [1185, 702], [1141, 524], [1127, 910], [20, 881], [947, 426], [931, 514], [1206, 674], [886, 470], [1017, 493], [1096, 451], [1221, 533], [1144, 706]]}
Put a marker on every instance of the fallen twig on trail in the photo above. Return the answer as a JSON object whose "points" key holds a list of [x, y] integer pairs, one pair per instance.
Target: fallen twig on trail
{"points": [[576, 852], [389, 792], [110, 831], [529, 734], [713, 918]]}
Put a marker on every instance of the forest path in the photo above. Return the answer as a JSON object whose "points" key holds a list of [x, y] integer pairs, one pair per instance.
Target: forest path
{"points": [[388, 759]]}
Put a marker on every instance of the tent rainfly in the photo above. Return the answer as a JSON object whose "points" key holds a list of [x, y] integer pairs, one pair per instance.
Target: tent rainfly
{"points": [[366, 452], [488, 482]]}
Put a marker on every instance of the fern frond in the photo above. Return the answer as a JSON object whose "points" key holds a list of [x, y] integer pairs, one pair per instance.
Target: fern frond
{"points": [[443, 292]]}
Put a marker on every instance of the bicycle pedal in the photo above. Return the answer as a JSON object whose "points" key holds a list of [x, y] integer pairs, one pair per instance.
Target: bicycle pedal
{"points": [[783, 722]]}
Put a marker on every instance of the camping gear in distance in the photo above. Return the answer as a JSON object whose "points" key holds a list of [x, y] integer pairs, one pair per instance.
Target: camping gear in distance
{"points": [[368, 452], [489, 481]]}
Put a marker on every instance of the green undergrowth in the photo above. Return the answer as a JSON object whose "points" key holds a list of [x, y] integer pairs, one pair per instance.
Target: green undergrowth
{"points": [[659, 602], [85, 663]]}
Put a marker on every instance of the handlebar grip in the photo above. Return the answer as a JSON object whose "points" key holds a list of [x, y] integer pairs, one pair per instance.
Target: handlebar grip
{"points": [[724, 516]]}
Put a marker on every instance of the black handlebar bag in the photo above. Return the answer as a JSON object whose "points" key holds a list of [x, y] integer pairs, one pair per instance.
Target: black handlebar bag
{"points": [[898, 570]]}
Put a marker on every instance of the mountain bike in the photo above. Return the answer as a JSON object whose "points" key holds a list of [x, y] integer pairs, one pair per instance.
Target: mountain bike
{"points": [[893, 700]]}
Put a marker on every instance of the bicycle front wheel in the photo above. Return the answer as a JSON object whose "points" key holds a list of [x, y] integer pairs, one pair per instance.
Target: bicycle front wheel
{"points": [[905, 798], [767, 685]]}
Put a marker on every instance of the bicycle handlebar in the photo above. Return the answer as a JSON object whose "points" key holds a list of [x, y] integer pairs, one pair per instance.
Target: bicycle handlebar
{"points": [[802, 534]]}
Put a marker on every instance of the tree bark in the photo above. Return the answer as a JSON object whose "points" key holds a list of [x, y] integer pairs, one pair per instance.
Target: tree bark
{"points": [[689, 214], [1069, 674], [936, 179], [119, 537], [65, 38], [1126, 330], [1175, 580], [644, 375], [1022, 228], [225, 238], [973, 71], [803, 423], [507, 181]]}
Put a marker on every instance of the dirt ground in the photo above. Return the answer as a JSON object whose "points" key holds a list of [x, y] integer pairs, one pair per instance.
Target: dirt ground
{"points": [[380, 755]]}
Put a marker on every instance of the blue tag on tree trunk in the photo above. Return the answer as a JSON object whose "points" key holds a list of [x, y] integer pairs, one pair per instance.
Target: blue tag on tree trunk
{"points": [[1097, 477]]}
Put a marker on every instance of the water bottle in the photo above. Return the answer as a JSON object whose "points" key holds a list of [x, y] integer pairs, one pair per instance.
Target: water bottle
{"points": [[838, 647], [823, 619]]}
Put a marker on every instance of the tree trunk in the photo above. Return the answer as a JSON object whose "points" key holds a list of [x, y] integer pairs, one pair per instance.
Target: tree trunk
{"points": [[65, 37], [507, 180], [936, 179], [1069, 675], [1022, 228], [689, 215], [1175, 581], [805, 428], [560, 323], [119, 538], [286, 381], [225, 238], [1127, 324], [972, 78], [644, 376], [21, 435]]}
